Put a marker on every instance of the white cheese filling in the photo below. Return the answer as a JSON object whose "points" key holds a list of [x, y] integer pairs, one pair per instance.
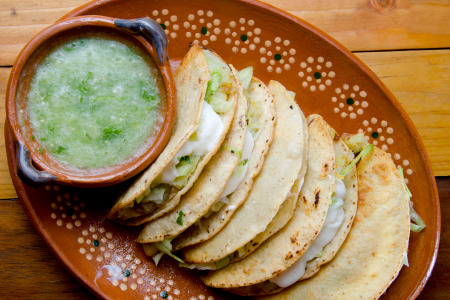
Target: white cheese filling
{"points": [[208, 134], [331, 225], [239, 173]]}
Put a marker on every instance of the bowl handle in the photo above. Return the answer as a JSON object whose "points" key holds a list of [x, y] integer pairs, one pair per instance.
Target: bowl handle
{"points": [[150, 29], [25, 170]]}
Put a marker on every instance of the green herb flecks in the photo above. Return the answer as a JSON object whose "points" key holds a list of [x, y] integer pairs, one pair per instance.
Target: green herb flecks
{"points": [[41, 151], [243, 162], [184, 158], [69, 48], [82, 87], [180, 218], [110, 132], [60, 149]]}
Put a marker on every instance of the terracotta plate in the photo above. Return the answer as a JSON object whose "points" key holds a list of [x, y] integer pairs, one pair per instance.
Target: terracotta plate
{"points": [[327, 79]]}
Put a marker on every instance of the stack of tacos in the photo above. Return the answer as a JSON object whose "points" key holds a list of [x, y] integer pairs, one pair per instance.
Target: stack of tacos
{"points": [[265, 199]]}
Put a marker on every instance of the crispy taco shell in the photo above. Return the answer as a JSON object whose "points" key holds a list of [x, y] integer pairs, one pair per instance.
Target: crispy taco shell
{"points": [[270, 188], [259, 93], [211, 182], [287, 209], [371, 256], [285, 247], [330, 250]]}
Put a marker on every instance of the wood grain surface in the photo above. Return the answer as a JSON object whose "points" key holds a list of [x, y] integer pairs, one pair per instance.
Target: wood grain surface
{"points": [[360, 25], [405, 42]]}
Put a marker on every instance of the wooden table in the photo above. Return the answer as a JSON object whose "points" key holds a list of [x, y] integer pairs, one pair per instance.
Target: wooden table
{"points": [[405, 42]]}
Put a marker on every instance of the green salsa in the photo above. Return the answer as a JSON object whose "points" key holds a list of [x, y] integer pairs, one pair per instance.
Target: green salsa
{"points": [[93, 103]]}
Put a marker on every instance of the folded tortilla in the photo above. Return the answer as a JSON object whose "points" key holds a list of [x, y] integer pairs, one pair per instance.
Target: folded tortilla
{"points": [[191, 80], [258, 94], [209, 185], [286, 211], [285, 247], [270, 188], [344, 156], [371, 256]]}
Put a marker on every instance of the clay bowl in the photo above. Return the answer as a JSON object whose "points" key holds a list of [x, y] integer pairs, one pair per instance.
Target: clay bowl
{"points": [[36, 166], [244, 33]]}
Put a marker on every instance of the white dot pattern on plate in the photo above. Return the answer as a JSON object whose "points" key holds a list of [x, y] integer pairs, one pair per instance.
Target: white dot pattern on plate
{"points": [[279, 54]]}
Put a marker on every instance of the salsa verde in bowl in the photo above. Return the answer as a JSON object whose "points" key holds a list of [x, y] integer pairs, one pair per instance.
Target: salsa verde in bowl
{"points": [[91, 101]]}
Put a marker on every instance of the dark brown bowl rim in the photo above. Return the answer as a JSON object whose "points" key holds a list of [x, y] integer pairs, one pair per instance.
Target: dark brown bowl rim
{"points": [[112, 175]]}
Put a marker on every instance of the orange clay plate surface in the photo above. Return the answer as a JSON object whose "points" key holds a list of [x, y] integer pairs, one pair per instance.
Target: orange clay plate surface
{"points": [[327, 80]]}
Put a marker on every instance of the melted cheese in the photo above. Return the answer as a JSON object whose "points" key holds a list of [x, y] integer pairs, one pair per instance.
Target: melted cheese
{"points": [[331, 225], [208, 134]]}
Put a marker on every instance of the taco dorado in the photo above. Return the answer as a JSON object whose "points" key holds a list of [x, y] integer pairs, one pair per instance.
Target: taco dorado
{"points": [[206, 102], [206, 189], [335, 228], [261, 123], [365, 267], [270, 188], [286, 246], [286, 210]]}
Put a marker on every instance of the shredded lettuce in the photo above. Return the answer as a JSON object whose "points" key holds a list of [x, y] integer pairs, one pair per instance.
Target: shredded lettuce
{"points": [[343, 158], [405, 259], [194, 137], [213, 85], [157, 257], [420, 224], [356, 142], [408, 192], [139, 198], [332, 133], [319, 254], [216, 65], [219, 85], [185, 170], [254, 112], [165, 246], [128, 213], [203, 266], [416, 219], [219, 102], [364, 152], [241, 251], [217, 205], [222, 263], [245, 76], [159, 194]]}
